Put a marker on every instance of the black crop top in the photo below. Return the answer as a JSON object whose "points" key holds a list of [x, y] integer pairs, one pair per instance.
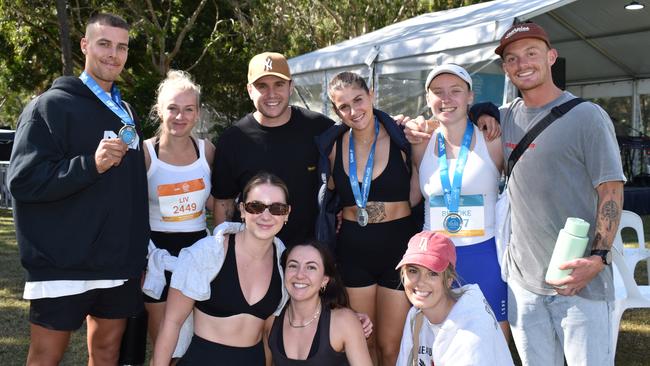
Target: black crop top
{"points": [[392, 185], [321, 352], [226, 297]]}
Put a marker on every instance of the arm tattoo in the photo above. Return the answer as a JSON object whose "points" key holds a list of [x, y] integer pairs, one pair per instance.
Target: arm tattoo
{"points": [[609, 213], [376, 212]]}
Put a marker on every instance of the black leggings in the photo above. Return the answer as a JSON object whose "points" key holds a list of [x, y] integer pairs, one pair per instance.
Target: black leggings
{"points": [[203, 352]]}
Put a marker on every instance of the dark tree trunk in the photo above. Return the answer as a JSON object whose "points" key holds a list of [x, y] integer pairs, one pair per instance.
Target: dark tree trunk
{"points": [[64, 33]]}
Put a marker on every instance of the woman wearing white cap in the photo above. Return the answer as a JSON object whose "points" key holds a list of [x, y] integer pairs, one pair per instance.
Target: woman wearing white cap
{"points": [[445, 326], [459, 173]]}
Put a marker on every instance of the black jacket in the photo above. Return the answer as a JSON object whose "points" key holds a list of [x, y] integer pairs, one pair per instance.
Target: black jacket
{"points": [[73, 223], [329, 200]]}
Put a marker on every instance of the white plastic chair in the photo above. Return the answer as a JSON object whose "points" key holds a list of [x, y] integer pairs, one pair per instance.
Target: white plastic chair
{"points": [[635, 255], [628, 293]]}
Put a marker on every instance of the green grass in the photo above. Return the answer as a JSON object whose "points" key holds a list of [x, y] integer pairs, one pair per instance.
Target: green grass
{"points": [[633, 342]]}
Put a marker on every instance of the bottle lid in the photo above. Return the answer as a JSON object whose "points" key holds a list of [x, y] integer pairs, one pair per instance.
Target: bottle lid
{"points": [[576, 226]]}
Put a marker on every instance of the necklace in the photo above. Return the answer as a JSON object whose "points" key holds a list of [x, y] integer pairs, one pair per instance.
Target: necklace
{"points": [[316, 314]]}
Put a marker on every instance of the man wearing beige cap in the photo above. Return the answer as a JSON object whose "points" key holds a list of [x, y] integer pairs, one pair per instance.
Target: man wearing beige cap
{"points": [[277, 138], [572, 169]]}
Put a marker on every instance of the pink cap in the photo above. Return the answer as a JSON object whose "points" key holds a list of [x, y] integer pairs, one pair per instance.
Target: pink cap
{"points": [[431, 250]]}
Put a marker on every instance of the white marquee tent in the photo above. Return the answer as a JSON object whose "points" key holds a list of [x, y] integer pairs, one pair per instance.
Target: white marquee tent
{"points": [[607, 52]]}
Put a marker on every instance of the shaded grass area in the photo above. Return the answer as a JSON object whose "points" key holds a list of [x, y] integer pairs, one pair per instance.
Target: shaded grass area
{"points": [[633, 342]]}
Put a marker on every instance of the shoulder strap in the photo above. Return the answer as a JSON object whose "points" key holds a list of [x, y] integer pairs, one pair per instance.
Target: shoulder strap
{"points": [[555, 113], [416, 325]]}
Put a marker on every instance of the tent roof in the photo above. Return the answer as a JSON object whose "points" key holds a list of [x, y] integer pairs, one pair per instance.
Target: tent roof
{"points": [[599, 38]]}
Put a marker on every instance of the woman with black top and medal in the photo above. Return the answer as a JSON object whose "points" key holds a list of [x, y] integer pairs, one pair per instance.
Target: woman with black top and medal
{"points": [[459, 172], [368, 162], [316, 327]]}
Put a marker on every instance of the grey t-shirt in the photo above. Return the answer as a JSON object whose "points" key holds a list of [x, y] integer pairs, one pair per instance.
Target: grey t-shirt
{"points": [[554, 179]]}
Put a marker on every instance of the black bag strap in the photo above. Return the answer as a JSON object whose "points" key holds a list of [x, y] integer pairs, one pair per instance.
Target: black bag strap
{"points": [[529, 137]]}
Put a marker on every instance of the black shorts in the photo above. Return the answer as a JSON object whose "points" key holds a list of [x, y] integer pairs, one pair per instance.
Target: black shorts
{"points": [[67, 313], [173, 243], [368, 255], [202, 352]]}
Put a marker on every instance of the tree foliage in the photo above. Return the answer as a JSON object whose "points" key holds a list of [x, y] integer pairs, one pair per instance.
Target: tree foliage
{"points": [[212, 39]]}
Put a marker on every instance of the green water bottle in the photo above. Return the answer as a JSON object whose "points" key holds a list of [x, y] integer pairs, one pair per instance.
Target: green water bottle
{"points": [[571, 244]]}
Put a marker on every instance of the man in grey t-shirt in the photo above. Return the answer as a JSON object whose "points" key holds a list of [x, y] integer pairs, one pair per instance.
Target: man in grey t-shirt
{"points": [[572, 169]]}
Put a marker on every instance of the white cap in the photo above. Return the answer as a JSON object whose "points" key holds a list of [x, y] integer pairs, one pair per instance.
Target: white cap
{"points": [[448, 69]]}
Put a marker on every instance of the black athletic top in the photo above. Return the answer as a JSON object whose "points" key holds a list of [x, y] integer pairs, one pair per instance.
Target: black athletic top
{"points": [[226, 298], [392, 185], [321, 352]]}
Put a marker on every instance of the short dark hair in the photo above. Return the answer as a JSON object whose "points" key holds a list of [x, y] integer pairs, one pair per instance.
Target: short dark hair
{"points": [[109, 19]]}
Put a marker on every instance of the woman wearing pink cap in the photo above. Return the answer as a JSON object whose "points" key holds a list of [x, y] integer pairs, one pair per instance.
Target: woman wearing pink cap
{"points": [[445, 326]]}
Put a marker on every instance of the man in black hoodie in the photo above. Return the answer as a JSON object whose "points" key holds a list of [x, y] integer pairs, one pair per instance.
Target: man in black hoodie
{"points": [[78, 180]]}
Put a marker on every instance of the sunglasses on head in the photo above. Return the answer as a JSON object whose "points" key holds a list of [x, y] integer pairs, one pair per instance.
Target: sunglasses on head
{"points": [[275, 208]]}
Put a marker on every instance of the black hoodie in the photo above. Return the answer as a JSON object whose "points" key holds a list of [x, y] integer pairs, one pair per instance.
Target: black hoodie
{"points": [[73, 223]]}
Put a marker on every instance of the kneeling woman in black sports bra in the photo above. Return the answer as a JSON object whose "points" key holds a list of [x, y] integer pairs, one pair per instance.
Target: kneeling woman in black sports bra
{"points": [[316, 328], [232, 281]]}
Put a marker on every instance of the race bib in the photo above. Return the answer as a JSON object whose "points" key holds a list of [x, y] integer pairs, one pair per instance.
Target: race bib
{"points": [[471, 209], [181, 201]]}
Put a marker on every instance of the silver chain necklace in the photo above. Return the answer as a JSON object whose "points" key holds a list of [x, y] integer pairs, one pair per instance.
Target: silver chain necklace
{"points": [[316, 314]]}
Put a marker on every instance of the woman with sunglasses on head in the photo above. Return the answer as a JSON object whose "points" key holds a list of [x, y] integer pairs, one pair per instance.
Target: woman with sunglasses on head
{"points": [[174, 159], [459, 174], [366, 167], [445, 326], [232, 281], [317, 327]]}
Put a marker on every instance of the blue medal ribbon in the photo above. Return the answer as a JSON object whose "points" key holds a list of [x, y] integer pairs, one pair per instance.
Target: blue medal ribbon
{"points": [[113, 102], [451, 191], [360, 199]]}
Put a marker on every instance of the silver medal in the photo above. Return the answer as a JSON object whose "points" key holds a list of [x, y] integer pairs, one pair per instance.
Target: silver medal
{"points": [[128, 134], [362, 216]]}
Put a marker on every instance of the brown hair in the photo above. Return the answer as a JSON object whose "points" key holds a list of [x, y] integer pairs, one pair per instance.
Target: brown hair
{"points": [[265, 178], [111, 20], [343, 80], [334, 294]]}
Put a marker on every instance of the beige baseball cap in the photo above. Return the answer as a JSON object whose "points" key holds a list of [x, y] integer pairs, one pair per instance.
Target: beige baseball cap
{"points": [[268, 63]]}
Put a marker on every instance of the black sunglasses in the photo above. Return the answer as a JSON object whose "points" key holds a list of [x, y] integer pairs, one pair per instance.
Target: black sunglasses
{"points": [[275, 208]]}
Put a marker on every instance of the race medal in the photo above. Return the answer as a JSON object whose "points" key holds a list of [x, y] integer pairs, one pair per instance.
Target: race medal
{"points": [[361, 194], [128, 134], [113, 102], [362, 217], [453, 222]]}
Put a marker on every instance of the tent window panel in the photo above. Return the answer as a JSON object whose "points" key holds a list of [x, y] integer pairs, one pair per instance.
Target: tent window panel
{"points": [[308, 96], [402, 93], [644, 101]]}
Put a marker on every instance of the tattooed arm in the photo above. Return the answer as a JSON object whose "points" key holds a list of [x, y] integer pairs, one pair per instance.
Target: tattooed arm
{"points": [[610, 204]]}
